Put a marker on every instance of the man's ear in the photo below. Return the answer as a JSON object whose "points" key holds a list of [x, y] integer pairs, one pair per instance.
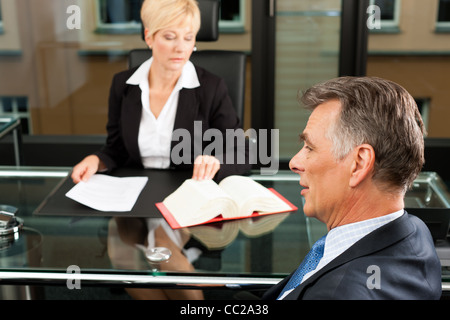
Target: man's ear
{"points": [[362, 164]]}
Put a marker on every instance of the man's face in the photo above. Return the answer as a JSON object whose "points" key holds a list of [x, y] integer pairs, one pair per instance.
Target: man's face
{"points": [[323, 178]]}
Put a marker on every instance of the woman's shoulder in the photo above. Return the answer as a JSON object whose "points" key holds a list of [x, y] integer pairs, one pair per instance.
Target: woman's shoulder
{"points": [[125, 74], [119, 80]]}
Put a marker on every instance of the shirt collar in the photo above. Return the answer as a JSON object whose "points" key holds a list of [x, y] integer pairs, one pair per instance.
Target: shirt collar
{"points": [[341, 238], [188, 78]]}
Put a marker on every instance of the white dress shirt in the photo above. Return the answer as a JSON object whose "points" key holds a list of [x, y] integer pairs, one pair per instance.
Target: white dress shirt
{"points": [[155, 134], [343, 237]]}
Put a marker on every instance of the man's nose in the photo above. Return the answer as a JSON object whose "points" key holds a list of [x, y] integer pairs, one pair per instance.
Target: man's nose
{"points": [[296, 162]]}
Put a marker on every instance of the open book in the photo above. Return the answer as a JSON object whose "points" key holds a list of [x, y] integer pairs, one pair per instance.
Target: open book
{"points": [[235, 197]]}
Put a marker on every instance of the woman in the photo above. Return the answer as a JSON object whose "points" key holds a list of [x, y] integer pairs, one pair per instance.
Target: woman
{"points": [[165, 93]]}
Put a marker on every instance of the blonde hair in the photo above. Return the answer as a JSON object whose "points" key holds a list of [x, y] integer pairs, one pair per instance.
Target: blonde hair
{"points": [[160, 14]]}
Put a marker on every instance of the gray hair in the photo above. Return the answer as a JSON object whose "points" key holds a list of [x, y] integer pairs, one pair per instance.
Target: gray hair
{"points": [[382, 114]]}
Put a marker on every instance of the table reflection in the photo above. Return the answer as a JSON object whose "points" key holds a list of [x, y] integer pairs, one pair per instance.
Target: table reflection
{"points": [[128, 239], [201, 246]]}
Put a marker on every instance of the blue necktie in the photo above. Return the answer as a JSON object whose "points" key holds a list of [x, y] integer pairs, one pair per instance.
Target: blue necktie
{"points": [[308, 264]]}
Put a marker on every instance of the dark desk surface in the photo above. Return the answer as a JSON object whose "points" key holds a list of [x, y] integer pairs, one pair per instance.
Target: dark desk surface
{"points": [[160, 184], [110, 250]]}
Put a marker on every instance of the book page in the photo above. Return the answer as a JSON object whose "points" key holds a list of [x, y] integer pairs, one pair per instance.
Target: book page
{"points": [[251, 196], [106, 193], [196, 202]]}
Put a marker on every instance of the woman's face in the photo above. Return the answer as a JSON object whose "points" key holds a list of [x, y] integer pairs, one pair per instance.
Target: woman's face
{"points": [[172, 46]]}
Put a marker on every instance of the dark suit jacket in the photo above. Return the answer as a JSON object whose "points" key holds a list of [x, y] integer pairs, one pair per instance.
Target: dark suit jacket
{"points": [[209, 103], [402, 250]]}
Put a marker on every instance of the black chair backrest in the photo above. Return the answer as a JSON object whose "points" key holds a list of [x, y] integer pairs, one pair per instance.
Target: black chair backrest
{"points": [[229, 65], [209, 24]]}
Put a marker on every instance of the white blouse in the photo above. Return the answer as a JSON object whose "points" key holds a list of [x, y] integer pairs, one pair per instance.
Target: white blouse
{"points": [[155, 134]]}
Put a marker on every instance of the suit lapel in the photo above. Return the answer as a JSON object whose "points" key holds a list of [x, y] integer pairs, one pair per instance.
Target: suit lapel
{"points": [[131, 118], [188, 106], [187, 113], [187, 109], [381, 238]]}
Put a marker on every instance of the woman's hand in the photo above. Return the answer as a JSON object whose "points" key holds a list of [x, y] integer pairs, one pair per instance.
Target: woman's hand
{"points": [[205, 167], [86, 168]]}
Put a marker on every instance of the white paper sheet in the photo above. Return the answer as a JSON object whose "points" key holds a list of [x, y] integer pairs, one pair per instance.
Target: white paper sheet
{"points": [[106, 193]]}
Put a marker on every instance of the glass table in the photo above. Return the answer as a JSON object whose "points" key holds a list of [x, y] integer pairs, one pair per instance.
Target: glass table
{"points": [[247, 254]]}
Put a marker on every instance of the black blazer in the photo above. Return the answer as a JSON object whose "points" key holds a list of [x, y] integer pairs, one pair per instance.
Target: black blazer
{"points": [[403, 250], [208, 103]]}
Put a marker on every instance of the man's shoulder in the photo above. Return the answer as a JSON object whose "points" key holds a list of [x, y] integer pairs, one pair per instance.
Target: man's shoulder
{"points": [[396, 261], [406, 267]]}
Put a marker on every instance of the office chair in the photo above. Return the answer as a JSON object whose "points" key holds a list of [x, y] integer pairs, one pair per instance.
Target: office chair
{"points": [[229, 65]]}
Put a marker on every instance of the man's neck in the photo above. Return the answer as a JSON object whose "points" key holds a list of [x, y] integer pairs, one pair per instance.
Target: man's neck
{"points": [[359, 208]]}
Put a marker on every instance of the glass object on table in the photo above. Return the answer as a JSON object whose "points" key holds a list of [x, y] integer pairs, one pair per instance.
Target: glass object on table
{"points": [[157, 254]]}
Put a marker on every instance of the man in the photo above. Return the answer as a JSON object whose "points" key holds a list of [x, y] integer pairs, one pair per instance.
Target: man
{"points": [[363, 148]]}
